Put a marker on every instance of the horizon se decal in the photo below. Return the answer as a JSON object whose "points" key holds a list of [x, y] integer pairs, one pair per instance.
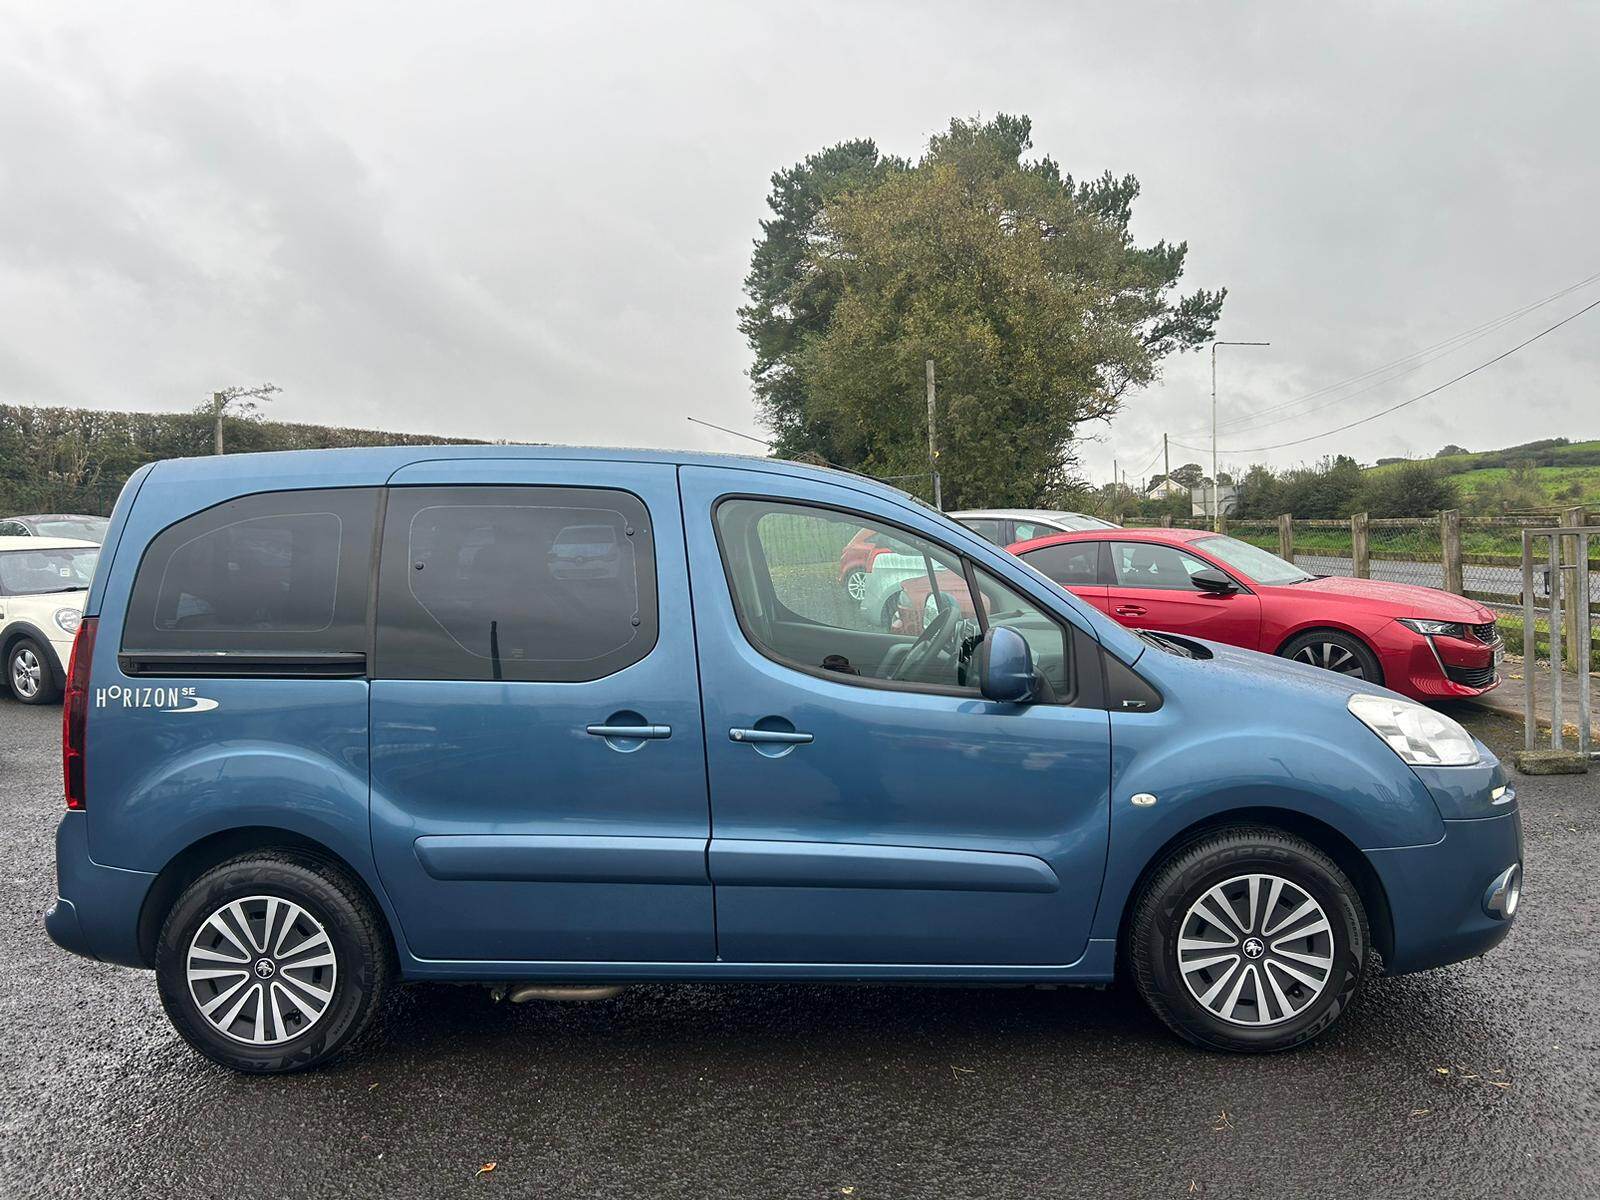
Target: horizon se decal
{"points": [[163, 699]]}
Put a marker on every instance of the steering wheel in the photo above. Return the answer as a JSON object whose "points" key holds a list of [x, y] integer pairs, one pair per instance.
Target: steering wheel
{"points": [[934, 640]]}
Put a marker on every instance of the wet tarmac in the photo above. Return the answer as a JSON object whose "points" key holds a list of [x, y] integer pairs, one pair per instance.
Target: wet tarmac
{"points": [[1482, 1079]]}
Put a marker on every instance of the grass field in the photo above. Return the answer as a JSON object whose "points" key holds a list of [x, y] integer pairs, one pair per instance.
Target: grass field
{"points": [[1465, 470]]}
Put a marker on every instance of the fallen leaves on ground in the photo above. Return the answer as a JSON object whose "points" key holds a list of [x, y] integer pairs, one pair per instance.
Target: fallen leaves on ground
{"points": [[485, 1169]]}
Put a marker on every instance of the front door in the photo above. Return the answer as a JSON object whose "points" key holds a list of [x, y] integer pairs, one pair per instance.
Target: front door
{"points": [[538, 768], [1151, 587], [869, 806]]}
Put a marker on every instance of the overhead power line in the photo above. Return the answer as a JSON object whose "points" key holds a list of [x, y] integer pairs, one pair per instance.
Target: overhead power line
{"points": [[1433, 391], [1387, 372]]}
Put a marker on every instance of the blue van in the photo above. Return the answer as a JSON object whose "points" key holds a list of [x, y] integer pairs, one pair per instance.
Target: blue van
{"points": [[556, 720]]}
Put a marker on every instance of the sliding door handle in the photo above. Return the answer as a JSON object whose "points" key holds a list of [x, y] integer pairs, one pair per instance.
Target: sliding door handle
{"points": [[770, 736], [630, 732]]}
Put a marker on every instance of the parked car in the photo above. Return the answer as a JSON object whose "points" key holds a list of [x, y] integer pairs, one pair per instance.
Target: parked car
{"points": [[43, 582], [1002, 526], [76, 526], [312, 748], [857, 560], [1418, 641]]}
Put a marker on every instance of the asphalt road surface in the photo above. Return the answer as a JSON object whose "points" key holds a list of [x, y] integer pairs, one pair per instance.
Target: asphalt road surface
{"points": [[1478, 1080]]}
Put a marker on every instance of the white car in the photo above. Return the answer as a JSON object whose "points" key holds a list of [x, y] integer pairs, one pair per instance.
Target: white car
{"points": [[43, 583], [1007, 526]]}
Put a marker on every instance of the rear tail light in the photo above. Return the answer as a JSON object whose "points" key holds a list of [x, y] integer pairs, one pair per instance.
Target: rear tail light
{"points": [[75, 712]]}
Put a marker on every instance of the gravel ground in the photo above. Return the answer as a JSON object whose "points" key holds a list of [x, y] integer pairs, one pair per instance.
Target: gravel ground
{"points": [[1482, 1079]]}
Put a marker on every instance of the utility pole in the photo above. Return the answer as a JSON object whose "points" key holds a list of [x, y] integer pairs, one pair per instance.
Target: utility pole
{"points": [[244, 401], [1216, 491], [933, 441], [1166, 464]]}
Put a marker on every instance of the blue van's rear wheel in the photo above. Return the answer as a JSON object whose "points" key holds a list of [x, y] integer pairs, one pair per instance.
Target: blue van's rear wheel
{"points": [[1249, 939], [271, 962]]}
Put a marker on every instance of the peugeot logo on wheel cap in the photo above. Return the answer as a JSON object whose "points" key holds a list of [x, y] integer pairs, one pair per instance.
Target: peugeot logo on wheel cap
{"points": [[1254, 948], [265, 968]]}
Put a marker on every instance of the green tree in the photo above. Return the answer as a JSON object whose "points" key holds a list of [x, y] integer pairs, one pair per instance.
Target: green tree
{"points": [[1409, 489], [1023, 286], [788, 301]]}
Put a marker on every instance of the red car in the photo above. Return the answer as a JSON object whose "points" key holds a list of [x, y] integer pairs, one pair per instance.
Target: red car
{"points": [[1419, 641], [856, 559]]}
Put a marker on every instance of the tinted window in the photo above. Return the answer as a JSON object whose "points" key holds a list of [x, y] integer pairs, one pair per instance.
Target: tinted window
{"points": [[989, 530], [516, 583], [13, 529], [280, 572], [1149, 565], [35, 572], [1075, 564]]}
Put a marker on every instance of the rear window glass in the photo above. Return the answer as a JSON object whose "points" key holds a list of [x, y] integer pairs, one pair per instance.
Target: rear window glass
{"points": [[272, 573], [36, 572], [526, 583]]}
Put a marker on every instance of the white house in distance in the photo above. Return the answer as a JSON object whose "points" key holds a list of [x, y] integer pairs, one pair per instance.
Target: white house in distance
{"points": [[1164, 487]]}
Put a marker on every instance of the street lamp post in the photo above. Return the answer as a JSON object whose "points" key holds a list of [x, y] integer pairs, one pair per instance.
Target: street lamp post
{"points": [[1216, 488]]}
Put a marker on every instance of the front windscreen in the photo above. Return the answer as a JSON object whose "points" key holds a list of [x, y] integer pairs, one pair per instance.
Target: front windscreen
{"points": [[1253, 562]]}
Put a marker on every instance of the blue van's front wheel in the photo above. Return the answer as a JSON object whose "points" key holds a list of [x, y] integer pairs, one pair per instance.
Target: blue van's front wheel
{"points": [[271, 962], [1249, 939]]}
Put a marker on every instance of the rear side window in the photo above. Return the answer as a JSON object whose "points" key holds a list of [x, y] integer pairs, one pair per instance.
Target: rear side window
{"points": [[1075, 564], [516, 583], [273, 573], [988, 529]]}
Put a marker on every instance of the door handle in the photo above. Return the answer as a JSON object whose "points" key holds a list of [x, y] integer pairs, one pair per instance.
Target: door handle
{"points": [[631, 732], [770, 736], [1129, 610]]}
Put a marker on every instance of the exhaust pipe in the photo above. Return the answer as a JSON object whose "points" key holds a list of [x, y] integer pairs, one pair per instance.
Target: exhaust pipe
{"points": [[521, 993]]}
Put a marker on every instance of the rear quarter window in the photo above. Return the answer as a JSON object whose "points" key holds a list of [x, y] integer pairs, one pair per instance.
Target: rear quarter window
{"points": [[271, 573]]}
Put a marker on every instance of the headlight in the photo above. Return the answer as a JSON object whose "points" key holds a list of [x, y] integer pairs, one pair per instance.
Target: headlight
{"points": [[1417, 734], [1436, 628], [67, 619]]}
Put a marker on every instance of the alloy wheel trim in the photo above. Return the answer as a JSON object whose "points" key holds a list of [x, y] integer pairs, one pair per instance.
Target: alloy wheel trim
{"points": [[27, 674], [1331, 656], [261, 970], [1255, 950], [855, 585]]}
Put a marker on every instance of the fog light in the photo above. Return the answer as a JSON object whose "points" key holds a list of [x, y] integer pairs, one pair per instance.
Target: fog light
{"points": [[1500, 901]]}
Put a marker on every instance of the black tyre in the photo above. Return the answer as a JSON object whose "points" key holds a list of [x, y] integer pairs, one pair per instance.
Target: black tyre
{"points": [[1334, 651], [29, 674], [1250, 940], [272, 962]]}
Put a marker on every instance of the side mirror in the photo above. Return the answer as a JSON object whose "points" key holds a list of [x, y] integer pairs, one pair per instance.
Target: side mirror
{"points": [[1005, 667], [1213, 580]]}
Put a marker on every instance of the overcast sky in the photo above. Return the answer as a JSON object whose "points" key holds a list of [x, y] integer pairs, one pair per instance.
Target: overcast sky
{"points": [[531, 221]]}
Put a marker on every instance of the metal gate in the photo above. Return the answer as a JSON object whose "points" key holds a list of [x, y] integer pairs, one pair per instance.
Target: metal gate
{"points": [[1568, 573]]}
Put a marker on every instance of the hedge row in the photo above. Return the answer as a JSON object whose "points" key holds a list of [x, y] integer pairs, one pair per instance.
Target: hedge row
{"points": [[76, 460]]}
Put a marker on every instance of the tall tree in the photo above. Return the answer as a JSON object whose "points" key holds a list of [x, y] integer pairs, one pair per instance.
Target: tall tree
{"points": [[788, 301], [1024, 286]]}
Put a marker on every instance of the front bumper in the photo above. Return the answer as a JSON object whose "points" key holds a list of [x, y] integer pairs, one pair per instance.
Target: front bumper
{"points": [[1439, 894], [1437, 667], [96, 913]]}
